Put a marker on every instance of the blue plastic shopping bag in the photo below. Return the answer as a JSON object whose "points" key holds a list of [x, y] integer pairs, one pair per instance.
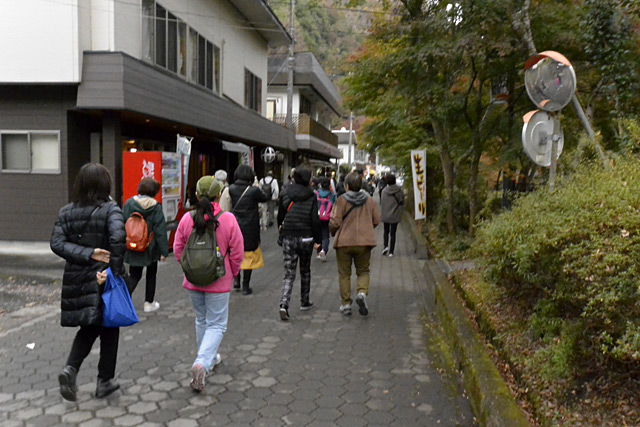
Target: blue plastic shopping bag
{"points": [[118, 307]]}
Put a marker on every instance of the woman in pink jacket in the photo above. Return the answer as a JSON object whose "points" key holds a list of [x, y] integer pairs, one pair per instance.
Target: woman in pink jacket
{"points": [[210, 303]]}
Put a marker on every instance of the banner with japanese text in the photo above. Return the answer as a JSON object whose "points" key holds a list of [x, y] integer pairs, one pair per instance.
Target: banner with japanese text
{"points": [[419, 169]]}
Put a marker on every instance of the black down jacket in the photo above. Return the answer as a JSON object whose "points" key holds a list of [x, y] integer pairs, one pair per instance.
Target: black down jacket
{"points": [[245, 208], [298, 213], [77, 232]]}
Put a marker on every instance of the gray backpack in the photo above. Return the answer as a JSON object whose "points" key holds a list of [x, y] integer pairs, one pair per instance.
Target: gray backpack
{"points": [[267, 188], [201, 260]]}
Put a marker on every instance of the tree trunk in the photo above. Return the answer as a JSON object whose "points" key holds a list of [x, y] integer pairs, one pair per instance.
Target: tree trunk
{"points": [[447, 170], [473, 190], [521, 22]]}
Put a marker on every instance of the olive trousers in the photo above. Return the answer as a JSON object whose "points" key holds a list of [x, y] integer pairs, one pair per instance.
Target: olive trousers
{"points": [[360, 256]]}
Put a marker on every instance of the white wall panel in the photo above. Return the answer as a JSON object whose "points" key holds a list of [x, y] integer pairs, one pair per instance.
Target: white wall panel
{"points": [[39, 41], [127, 24], [241, 47], [102, 26]]}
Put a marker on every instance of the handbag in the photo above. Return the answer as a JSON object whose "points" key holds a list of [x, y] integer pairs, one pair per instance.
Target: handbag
{"points": [[118, 308]]}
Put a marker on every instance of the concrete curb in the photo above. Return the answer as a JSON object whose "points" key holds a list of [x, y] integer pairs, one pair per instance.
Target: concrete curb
{"points": [[418, 240], [490, 397]]}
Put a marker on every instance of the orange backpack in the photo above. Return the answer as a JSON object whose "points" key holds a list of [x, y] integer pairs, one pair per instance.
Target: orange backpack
{"points": [[138, 237]]}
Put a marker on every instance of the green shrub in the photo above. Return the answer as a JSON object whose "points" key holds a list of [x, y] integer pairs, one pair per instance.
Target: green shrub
{"points": [[572, 258]]}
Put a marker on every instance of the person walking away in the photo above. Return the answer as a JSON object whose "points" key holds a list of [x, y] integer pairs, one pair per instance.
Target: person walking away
{"points": [[332, 183], [158, 249], [352, 222], [245, 198], [269, 186], [299, 227], [90, 235], [391, 202], [340, 187], [365, 185], [326, 200], [381, 185], [225, 199], [210, 303]]}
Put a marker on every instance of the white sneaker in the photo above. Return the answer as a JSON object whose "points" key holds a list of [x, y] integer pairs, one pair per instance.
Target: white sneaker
{"points": [[390, 255], [151, 306], [345, 309], [216, 361], [385, 251], [322, 255], [361, 300]]}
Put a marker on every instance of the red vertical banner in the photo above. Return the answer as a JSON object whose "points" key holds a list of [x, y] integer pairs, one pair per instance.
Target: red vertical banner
{"points": [[138, 165]]}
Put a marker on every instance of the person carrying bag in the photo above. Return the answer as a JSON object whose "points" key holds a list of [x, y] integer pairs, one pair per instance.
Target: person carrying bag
{"points": [[90, 235], [210, 301]]}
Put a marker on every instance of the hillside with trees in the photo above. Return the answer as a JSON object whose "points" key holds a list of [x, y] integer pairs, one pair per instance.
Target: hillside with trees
{"points": [[555, 289], [329, 29]]}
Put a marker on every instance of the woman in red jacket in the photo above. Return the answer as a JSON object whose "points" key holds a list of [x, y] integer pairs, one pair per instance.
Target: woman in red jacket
{"points": [[210, 303]]}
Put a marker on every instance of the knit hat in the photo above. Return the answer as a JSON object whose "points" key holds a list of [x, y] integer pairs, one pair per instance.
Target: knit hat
{"points": [[208, 187], [220, 175]]}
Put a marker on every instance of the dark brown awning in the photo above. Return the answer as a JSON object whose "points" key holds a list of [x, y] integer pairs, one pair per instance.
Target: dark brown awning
{"points": [[117, 81]]}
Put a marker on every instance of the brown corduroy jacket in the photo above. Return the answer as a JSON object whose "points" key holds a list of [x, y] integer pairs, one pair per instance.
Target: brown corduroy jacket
{"points": [[357, 228]]}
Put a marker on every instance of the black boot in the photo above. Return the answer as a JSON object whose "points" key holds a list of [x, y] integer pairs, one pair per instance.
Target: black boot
{"points": [[236, 282], [106, 387], [67, 380], [246, 278]]}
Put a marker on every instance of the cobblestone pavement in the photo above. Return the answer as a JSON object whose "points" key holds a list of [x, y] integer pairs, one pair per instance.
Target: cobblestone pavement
{"points": [[319, 369]]}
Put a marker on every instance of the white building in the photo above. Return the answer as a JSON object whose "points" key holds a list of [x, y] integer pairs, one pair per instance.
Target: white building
{"points": [[85, 80], [348, 149], [315, 104]]}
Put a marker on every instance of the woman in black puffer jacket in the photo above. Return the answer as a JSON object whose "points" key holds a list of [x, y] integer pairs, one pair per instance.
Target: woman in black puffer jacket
{"points": [[90, 235], [244, 201]]}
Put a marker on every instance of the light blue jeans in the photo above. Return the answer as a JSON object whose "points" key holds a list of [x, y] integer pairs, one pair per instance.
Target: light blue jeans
{"points": [[212, 313]]}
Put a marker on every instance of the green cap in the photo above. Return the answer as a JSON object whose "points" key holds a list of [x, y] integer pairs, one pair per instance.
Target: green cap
{"points": [[208, 187]]}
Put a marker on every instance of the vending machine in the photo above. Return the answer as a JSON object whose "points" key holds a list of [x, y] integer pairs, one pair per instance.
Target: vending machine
{"points": [[164, 167]]}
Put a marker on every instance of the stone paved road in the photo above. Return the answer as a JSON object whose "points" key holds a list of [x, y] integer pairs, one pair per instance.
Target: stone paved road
{"points": [[319, 369]]}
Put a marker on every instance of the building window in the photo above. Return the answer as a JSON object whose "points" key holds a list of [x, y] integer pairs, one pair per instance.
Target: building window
{"points": [[171, 44], [30, 152], [252, 91], [271, 108], [192, 54], [305, 106], [161, 36]]}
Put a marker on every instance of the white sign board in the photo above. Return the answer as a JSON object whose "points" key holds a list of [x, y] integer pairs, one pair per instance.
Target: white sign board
{"points": [[419, 169]]}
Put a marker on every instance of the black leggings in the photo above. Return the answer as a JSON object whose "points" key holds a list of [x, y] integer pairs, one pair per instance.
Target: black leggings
{"points": [[246, 278], [83, 342], [390, 229], [136, 274]]}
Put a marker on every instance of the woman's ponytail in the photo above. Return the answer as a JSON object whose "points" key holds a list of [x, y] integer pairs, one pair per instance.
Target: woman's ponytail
{"points": [[203, 208]]}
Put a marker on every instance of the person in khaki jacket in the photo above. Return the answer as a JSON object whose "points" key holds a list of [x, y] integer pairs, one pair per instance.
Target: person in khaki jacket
{"points": [[353, 219]]}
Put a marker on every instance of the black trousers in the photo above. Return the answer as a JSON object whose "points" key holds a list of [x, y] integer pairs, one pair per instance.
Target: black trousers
{"points": [[150, 278], [83, 342], [246, 279], [390, 229]]}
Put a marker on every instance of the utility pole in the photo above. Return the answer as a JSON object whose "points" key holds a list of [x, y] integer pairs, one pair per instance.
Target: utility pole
{"points": [[289, 119], [291, 62], [350, 139]]}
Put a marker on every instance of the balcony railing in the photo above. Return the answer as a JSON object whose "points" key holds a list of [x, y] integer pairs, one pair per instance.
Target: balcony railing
{"points": [[305, 125]]}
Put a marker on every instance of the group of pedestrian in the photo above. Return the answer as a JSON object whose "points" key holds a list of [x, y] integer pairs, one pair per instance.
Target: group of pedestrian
{"points": [[90, 235]]}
